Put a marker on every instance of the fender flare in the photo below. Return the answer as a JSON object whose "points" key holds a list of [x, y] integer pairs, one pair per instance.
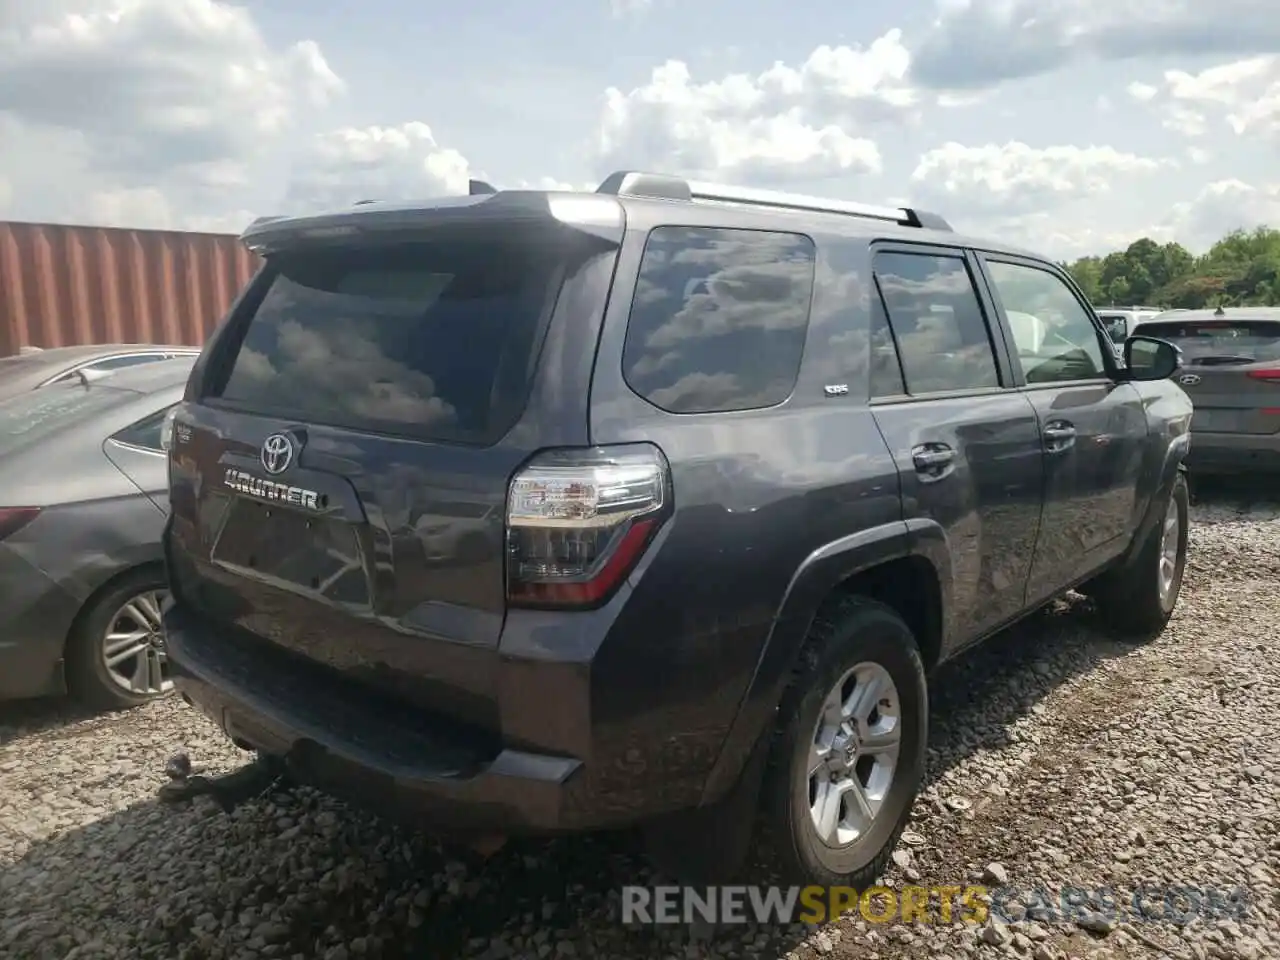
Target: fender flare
{"points": [[1173, 465], [818, 574]]}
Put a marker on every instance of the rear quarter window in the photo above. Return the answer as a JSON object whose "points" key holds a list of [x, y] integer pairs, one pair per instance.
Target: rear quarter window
{"points": [[719, 318]]}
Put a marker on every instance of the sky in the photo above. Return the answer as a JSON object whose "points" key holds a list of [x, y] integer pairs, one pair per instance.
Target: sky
{"points": [[1068, 126]]}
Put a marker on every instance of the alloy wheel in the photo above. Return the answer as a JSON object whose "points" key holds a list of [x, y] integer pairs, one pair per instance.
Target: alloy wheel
{"points": [[854, 754], [133, 648]]}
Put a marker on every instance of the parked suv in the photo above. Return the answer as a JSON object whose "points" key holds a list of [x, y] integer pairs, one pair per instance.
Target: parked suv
{"points": [[757, 463]]}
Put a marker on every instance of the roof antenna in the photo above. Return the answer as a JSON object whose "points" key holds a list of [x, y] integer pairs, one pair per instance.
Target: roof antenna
{"points": [[477, 187]]}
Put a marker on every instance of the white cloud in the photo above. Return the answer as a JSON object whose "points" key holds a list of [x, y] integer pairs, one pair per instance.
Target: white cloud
{"points": [[376, 163], [142, 105], [189, 81], [628, 8], [190, 114], [788, 122], [405, 162], [1219, 208], [1142, 91], [1010, 178], [1242, 97], [976, 43]]}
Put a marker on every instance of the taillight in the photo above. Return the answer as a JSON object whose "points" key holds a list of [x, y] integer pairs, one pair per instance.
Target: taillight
{"points": [[579, 520], [1270, 376], [166, 429], [13, 519]]}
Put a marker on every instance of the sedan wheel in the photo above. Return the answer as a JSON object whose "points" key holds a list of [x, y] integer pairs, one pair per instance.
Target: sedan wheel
{"points": [[115, 656], [133, 650]]}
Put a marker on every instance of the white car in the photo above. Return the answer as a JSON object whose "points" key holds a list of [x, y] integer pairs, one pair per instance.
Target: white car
{"points": [[1121, 322]]}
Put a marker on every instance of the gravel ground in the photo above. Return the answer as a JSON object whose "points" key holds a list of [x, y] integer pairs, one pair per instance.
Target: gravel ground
{"points": [[1061, 760]]}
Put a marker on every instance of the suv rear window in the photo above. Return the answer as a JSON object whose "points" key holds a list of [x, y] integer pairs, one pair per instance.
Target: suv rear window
{"points": [[431, 339], [719, 318], [1199, 339]]}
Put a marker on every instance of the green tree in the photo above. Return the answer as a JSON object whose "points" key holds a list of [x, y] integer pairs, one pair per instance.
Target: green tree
{"points": [[1241, 269]]}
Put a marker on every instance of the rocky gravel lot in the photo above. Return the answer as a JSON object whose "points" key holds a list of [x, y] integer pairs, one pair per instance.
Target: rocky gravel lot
{"points": [[1062, 761]]}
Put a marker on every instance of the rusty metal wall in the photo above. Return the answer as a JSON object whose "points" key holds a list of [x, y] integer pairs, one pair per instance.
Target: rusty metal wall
{"points": [[67, 285]]}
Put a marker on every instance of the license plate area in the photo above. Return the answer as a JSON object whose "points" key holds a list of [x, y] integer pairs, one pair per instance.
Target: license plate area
{"points": [[1210, 420], [268, 542]]}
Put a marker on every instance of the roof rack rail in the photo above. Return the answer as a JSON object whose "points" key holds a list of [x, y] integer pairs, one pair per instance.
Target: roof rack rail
{"points": [[660, 186]]}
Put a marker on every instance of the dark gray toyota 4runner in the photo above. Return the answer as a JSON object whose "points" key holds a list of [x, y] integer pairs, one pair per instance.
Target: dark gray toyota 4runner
{"points": [[538, 512]]}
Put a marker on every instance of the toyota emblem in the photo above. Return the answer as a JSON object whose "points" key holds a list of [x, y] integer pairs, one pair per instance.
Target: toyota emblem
{"points": [[277, 453], [1188, 379]]}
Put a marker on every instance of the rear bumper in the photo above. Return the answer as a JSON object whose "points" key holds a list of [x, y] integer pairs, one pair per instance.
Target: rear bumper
{"points": [[376, 756], [1229, 453], [37, 615]]}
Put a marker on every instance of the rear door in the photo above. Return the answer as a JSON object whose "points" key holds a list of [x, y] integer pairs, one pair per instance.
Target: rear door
{"points": [[967, 446], [340, 470], [1093, 428], [1231, 371]]}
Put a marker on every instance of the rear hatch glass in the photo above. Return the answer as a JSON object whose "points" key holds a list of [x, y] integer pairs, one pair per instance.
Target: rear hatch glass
{"points": [[427, 340], [1210, 342]]}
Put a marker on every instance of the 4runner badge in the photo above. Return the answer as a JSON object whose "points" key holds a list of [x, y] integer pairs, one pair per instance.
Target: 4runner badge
{"points": [[243, 482]]}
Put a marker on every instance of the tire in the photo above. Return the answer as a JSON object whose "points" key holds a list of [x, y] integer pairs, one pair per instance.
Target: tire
{"points": [[852, 632], [1139, 598], [89, 678]]}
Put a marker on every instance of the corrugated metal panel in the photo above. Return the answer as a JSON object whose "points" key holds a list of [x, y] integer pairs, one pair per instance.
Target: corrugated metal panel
{"points": [[70, 285]]}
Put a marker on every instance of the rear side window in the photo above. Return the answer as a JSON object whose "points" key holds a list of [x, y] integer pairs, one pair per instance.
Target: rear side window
{"points": [[886, 371], [1221, 340], [1053, 334], [937, 320], [719, 318], [145, 433], [112, 363], [433, 339]]}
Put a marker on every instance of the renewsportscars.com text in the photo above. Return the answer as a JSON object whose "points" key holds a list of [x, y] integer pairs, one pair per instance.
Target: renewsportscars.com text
{"points": [[939, 903]]}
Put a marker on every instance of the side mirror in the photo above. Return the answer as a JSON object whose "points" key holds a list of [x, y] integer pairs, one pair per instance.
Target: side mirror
{"points": [[1150, 359]]}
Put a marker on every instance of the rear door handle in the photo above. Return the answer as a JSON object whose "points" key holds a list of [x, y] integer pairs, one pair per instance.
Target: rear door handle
{"points": [[932, 460], [1059, 435]]}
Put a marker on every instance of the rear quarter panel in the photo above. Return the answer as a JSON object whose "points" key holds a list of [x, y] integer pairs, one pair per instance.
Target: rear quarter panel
{"points": [[97, 522], [83, 545], [756, 493]]}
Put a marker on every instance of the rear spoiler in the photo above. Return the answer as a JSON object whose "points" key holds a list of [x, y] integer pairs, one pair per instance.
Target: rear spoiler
{"points": [[599, 215]]}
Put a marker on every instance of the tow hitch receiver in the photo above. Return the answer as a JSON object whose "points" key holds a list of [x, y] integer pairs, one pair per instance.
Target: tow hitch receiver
{"points": [[255, 779]]}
